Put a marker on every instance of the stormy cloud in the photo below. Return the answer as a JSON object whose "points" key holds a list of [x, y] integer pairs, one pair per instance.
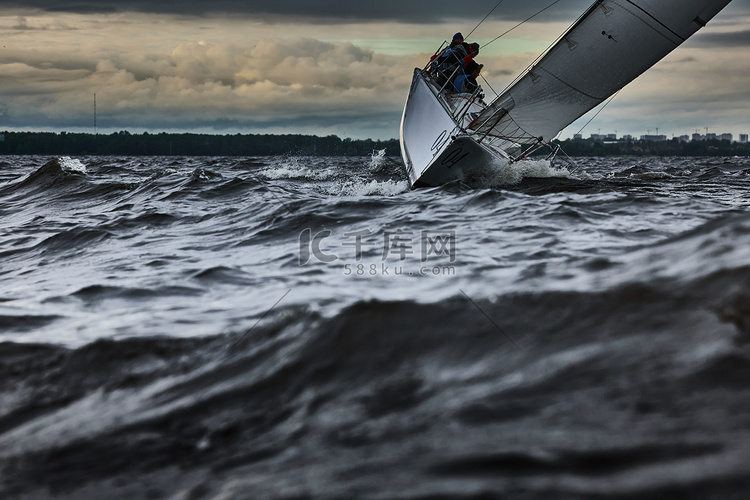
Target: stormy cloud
{"points": [[310, 67], [726, 39], [413, 11]]}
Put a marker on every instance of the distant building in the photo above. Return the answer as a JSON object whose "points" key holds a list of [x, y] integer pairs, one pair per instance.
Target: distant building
{"points": [[578, 137], [2, 137], [710, 136], [697, 137], [654, 138], [611, 137], [596, 137], [627, 137], [727, 137], [684, 138], [743, 138]]}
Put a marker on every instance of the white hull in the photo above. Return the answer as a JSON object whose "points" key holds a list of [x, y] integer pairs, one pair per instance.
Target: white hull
{"points": [[434, 143]]}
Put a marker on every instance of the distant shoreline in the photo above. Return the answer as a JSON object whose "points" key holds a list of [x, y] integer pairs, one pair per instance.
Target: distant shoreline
{"points": [[668, 148], [189, 144]]}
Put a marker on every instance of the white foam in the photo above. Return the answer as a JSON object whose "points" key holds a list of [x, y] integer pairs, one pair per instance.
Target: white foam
{"points": [[68, 164], [509, 174], [292, 169], [373, 188], [377, 160], [653, 176]]}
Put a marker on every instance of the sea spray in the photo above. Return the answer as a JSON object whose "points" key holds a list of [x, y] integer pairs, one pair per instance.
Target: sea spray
{"points": [[512, 173]]}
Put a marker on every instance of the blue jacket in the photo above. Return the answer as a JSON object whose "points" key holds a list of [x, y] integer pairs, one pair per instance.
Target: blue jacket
{"points": [[465, 84]]}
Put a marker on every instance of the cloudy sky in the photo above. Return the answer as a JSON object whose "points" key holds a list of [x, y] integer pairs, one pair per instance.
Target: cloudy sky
{"points": [[322, 67]]}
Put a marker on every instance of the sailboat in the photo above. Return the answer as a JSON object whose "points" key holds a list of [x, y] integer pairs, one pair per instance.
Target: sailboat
{"points": [[447, 136]]}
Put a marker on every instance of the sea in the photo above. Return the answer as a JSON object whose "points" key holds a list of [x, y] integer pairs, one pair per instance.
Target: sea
{"points": [[298, 328]]}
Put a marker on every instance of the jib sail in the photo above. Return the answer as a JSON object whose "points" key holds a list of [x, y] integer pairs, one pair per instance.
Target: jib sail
{"points": [[607, 48]]}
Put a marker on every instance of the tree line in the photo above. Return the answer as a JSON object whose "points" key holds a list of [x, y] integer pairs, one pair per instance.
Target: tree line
{"points": [[163, 144]]}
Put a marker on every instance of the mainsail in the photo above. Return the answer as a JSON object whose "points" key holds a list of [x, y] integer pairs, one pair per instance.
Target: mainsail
{"points": [[607, 48]]}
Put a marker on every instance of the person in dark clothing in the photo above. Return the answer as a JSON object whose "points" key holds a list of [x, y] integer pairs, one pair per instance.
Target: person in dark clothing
{"points": [[472, 50], [437, 59], [467, 83], [453, 61]]}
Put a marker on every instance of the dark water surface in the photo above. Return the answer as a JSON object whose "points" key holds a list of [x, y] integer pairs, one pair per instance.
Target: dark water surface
{"points": [[292, 328]]}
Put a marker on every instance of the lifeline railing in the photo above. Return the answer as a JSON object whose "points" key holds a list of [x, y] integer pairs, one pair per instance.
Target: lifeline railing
{"points": [[460, 113]]}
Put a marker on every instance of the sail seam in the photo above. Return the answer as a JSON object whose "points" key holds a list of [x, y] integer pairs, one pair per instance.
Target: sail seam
{"points": [[654, 18], [600, 99]]}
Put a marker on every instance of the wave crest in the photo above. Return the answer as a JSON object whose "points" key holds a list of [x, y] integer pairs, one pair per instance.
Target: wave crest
{"points": [[511, 174]]}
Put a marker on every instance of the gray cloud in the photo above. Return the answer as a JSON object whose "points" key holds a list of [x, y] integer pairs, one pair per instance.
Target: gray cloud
{"points": [[418, 11], [731, 39], [150, 75], [311, 84], [22, 24]]}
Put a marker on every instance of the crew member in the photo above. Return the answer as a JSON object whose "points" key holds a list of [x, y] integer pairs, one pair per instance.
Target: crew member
{"points": [[467, 82]]}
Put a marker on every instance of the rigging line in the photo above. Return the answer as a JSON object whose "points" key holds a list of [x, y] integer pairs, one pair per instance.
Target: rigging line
{"points": [[256, 323], [488, 84], [485, 18], [524, 134], [575, 167], [522, 22], [511, 119], [600, 110]]}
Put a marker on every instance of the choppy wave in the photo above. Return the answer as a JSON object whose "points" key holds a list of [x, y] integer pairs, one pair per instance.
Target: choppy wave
{"points": [[295, 168], [362, 188], [311, 328], [450, 399]]}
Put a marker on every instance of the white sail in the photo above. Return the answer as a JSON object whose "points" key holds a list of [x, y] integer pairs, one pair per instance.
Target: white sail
{"points": [[610, 45]]}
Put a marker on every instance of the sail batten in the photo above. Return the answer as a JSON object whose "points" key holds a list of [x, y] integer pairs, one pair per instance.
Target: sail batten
{"points": [[613, 43]]}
